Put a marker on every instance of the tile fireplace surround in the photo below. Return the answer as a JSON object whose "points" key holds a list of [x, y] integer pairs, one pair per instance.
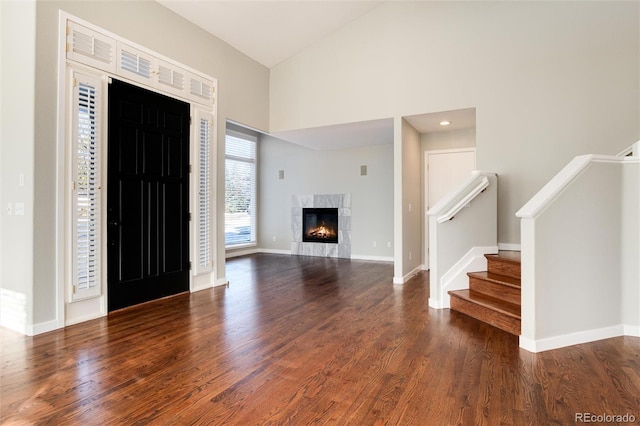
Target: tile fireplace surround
{"points": [[340, 201]]}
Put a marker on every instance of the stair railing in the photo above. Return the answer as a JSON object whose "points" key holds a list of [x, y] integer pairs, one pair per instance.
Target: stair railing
{"points": [[580, 241], [474, 189], [462, 228]]}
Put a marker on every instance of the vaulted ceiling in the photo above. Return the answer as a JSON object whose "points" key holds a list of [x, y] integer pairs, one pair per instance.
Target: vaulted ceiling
{"points": [[271, 31]]}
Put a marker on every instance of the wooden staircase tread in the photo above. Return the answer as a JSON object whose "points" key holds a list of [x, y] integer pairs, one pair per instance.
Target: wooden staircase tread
{"points": [[493, 296], [508, 256], [496, 278], [503, 307]]}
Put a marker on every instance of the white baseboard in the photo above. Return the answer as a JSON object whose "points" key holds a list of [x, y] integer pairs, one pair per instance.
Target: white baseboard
{"points": [[435, 303], [44, 327], [240, 252], [372, 258], [85, 310], [78, 320], [33, 330], [509, 247], [274, 251], [414, 272], [288, 252], [571, 339], [221, 281], [254, 250], [200, 287]]}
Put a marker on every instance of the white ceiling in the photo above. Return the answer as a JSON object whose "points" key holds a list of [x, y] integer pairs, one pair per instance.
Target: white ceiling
{"points": [[342, 136], [376, 132], [266, 30], [430, 123], [271, 31]]}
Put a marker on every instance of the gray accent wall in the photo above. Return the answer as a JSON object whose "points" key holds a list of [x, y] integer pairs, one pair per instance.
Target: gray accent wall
{"points": [[326, 172]]}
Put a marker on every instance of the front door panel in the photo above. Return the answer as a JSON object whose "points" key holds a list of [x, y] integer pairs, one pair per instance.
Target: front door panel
{"points": [[148, 196]]}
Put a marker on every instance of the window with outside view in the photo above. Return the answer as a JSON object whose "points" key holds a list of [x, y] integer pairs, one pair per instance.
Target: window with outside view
{"points": [[240, 189]]}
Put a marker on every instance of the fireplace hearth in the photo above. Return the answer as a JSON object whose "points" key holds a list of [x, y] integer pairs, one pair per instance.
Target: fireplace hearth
{"points": [[320, 225]]}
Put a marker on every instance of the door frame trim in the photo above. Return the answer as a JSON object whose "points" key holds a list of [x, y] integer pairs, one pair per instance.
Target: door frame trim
{"points": [[66, 312], [425, 184]]}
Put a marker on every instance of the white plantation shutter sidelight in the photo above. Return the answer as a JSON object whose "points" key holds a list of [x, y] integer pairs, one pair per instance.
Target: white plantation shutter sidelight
{"points": [[204, 129], [85, 191]]}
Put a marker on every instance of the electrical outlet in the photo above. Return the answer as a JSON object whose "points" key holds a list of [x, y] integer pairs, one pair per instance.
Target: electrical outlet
{"points": [[19, 209], [374, 244], [409, 255], [388, 244], [274, 238]]}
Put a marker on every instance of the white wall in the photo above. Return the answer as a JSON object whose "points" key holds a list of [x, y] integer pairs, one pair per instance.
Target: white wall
{"points": [[453, 139], [308, 171], [17, 99], [549, 80], [243, 97], [594, 299], [411, 219], [580, 251], [458, 246], [630, 249]]}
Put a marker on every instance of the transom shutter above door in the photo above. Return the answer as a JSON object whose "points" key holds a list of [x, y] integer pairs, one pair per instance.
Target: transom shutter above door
{"points": [[90, 47]]}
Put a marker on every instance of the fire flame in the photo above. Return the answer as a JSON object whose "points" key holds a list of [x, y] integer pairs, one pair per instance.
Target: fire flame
{"points": [[321, 232]]}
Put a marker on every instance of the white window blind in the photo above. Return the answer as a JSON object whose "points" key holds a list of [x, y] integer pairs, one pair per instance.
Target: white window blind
{"points": [[204, 124], [85, 145], [240, 189]]}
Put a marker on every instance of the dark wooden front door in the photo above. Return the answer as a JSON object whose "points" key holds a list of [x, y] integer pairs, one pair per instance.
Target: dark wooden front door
{"points": [[148, 196]]}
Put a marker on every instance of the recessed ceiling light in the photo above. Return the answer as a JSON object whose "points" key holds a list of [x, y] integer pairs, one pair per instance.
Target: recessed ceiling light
{"points": [[445, 123]]}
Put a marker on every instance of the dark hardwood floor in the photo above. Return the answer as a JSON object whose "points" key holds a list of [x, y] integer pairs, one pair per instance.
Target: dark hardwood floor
{"points": [[300, 340]]}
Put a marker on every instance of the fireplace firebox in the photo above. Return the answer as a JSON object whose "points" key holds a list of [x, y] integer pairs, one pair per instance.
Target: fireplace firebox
{"points": [[320, 225]]}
